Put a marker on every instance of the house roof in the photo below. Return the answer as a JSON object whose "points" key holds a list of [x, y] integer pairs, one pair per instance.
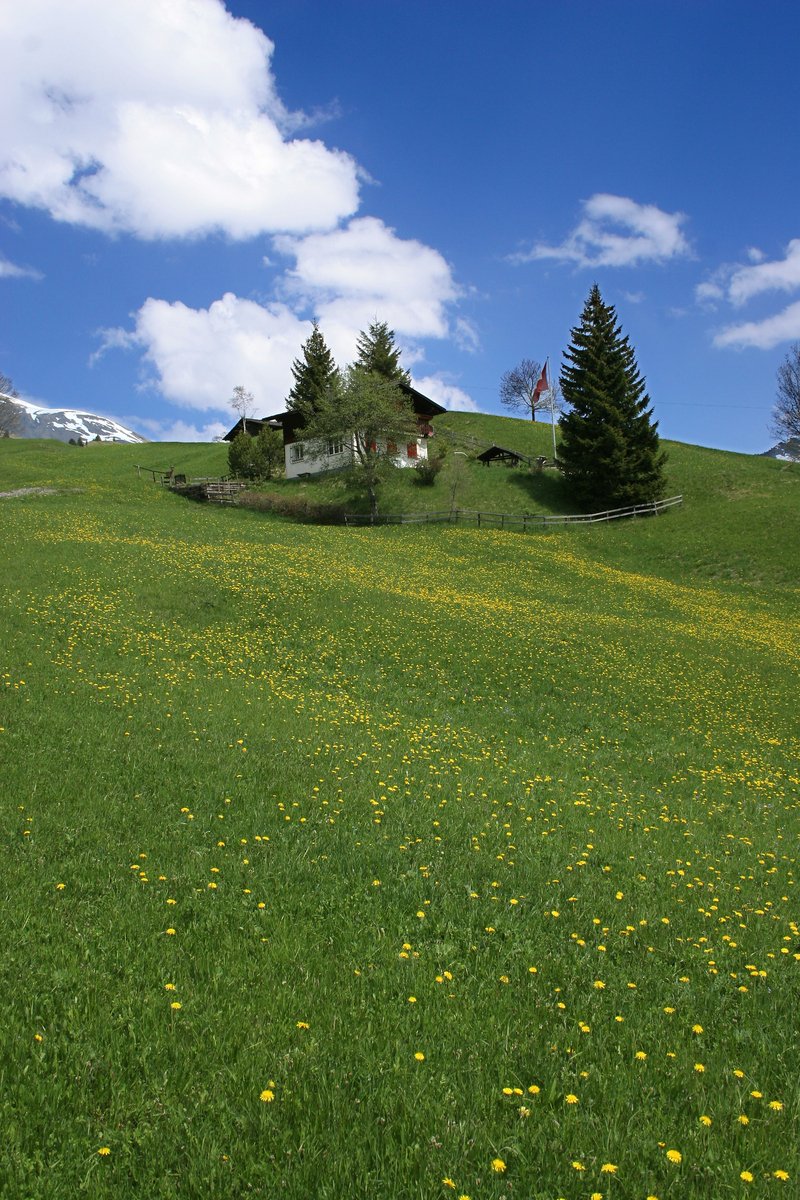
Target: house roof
{"points": [[289, 422], [501, 454]]}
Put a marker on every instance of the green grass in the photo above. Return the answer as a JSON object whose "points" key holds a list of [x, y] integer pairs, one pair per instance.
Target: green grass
{"points": [[489, 771]]}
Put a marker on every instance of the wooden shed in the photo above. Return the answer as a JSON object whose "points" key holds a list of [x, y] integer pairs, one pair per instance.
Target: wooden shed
{"points": [[512, 458]]}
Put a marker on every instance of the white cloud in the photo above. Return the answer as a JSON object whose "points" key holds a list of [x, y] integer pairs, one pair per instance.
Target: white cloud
{"points": [[615, 231], [446, 394], [351, 276], [738, 284], [200, 355], [180, 431], [781, 327], [347, 279], [158, 119], [782, 275], [10, 270]]}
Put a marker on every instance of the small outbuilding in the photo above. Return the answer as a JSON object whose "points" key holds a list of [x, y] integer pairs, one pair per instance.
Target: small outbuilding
{"points": [[511, 458]]}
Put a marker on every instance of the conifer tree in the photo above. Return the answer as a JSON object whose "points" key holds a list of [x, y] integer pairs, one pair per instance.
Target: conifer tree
{"points": [[377, 353], [609, 448], [314, 375]]}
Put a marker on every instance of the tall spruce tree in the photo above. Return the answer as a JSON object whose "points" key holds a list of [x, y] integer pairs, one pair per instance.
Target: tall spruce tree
{"points": [[314, 375], [377, 353], [609, 447]]}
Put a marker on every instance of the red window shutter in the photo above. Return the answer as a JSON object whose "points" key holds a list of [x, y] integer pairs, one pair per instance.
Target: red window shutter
{"points": [[412, 449]]}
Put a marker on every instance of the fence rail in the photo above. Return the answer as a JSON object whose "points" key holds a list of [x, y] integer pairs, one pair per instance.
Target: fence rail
{"points": [[524, 521]]}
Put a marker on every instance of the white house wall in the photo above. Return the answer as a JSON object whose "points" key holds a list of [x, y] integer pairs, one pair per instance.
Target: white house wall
{"points": [[314, 464]]}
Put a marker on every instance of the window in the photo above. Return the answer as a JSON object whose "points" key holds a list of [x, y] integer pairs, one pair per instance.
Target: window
{"points": [[336, 446], [296, 452], [391, 446], [411, 449]]}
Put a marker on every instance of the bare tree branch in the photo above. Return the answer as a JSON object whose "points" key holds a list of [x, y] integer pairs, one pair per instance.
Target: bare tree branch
{"points": [[786, 414], [518, 387]]}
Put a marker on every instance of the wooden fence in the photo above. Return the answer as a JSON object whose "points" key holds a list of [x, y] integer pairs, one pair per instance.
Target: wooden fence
{"points": [[215, 491], [523, 521]]}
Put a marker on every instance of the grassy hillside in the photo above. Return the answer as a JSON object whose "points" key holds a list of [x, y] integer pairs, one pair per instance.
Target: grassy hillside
{"points": [[397, 862]]}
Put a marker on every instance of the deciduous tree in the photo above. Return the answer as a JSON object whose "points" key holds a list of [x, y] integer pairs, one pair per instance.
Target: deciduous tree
{"points": [[519, 391], [242, 402], [370, 412], [257, 457], [786, 414], [609, 448]]}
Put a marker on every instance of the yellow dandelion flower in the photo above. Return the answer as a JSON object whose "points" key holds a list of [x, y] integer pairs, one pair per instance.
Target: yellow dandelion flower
{"points": [[598, 983], [578, 1166], [743, 1120], [104, 1151], [608, 1169], [776, 1105], [176, 1004], [498, 1165], [704, 1120], [640, 1054], [267, 1096], [738, 1074], [747, 1176], [674, 1156], [419, 1056], [699, 1068], [534, 1090], [756, 1095], [697, 1029], [782, 1175], [412, 999], [448, 1182], [571, 1098], [302, 1025], [170, 931]]}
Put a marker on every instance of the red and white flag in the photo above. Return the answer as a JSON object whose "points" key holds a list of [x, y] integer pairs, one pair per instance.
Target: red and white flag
{"points": [[541, 385]]}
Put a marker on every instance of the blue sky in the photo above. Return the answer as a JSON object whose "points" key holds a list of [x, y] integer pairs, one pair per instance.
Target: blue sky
{"points": [[185, 185]]}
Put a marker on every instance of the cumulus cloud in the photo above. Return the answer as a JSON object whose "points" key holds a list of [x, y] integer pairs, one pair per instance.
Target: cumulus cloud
{"points": [[763, 335], [615, 231], [737, 284], [10, 270], [364, 271], [198, 356], [780, 275], [346, 279], [160, 120], [446, 394], [180, 431]]}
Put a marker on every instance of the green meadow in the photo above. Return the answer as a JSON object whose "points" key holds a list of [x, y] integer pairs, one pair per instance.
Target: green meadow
{"points": [[406, 862]]}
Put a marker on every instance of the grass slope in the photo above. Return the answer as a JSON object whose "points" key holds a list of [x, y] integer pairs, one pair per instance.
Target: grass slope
{"points": [[371, 862]]}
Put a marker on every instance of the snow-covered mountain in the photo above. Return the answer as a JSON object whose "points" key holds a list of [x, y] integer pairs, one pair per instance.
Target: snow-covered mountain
{"points": [[788, 450], [30, 421]]}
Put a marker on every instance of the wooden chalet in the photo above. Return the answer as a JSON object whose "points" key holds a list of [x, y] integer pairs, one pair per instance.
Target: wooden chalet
{"points": [[339, 453]]}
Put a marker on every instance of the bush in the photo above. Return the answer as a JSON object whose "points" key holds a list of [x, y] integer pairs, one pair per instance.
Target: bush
{"points": [[296, 507], [428, 468]]}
